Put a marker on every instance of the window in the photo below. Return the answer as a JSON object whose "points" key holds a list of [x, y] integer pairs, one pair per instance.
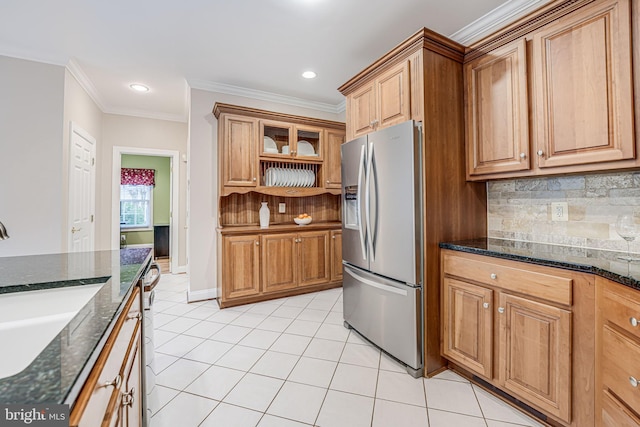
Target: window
{"points": [[136, 206]]}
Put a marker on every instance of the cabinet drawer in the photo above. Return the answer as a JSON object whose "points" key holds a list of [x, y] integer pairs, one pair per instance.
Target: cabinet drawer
{"points": [[494, 272], [620, 369], [100, 394], [615, 414], [619, 309]]}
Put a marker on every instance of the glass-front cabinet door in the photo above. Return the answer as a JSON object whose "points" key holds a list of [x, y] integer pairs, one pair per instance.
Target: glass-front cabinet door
{"points": [[276, 138], [308, 142]]}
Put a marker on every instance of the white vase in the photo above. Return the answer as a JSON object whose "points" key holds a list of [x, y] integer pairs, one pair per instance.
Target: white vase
{"points": [[264, 215]]}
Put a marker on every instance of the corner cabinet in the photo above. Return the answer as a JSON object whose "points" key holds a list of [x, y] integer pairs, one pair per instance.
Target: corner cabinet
{"points": [[576, 58], [515, 324], [282, 260], [111, 396], [277, 154]]}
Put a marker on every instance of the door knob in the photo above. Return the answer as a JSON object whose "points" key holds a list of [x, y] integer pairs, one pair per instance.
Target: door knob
{"points": [[494, 276], [540, 153], [500, 310], [485, 305], [633, 382], [73, 229], [523, 156], [633, 321]]}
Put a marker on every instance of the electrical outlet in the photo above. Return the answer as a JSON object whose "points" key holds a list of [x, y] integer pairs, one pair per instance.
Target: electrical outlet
{"points": [[123, 238], [282, 207], [559, 211]]}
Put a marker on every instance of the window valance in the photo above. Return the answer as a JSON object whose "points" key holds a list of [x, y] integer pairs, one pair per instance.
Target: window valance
{"points": [[132, 176]]}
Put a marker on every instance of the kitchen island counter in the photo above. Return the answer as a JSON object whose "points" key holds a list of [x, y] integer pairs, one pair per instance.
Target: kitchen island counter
{"points": [[58, 372]]}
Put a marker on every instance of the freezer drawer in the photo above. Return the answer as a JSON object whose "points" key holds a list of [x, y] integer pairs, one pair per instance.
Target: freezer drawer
{"points": [[386, 312]]}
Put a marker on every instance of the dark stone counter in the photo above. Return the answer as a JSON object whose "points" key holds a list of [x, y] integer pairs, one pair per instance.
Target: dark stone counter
{"points": [[59, 371], [608, 264]]}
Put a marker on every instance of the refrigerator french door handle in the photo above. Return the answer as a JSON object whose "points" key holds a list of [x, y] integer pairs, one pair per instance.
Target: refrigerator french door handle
{"points": [[361, 225], [367, 200], [382, 287]]}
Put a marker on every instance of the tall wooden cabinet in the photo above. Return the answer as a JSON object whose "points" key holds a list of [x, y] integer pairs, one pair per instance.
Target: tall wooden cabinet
{"points": [[524, 329], [562, 76], [421, 79], [293, 164]]}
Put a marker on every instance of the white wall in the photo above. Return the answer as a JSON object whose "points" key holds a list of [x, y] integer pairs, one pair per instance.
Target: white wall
{"points": [[136, 132], [203, 178], [80, 109], [31, 158]]}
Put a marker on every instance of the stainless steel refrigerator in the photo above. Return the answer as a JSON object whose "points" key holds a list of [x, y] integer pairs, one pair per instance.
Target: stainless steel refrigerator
{"points": [[382, 240]]}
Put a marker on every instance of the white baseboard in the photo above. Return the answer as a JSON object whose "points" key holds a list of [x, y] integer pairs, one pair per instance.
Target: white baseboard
{"points": [[193, 296]]}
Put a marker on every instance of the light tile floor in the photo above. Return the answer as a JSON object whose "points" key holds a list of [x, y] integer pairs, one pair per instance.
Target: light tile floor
{"points": [[290, 363]]}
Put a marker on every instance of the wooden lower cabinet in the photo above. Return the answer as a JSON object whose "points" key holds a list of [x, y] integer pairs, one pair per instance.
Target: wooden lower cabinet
{"points": [[278, 262], [112, 394], [241, 265], [336, 256], [534, 361], [617, 355], [501, 324], [467, 326], [272, 264]]}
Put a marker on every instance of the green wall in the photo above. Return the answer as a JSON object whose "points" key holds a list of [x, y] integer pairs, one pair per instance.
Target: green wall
{"points": [[161, 193]]}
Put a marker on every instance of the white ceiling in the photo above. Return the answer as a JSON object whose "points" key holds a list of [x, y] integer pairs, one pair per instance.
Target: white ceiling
{"points": [[233, 46]]}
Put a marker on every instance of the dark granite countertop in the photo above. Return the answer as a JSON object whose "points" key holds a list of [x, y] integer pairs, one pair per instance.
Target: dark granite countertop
{"points": [[603, 263], [59, 371]]}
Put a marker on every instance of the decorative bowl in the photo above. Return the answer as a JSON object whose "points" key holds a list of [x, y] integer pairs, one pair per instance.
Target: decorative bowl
{"points": [[302, 221]]}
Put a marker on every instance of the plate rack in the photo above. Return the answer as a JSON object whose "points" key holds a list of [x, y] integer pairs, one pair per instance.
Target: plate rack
{"points": [[299, 178]]}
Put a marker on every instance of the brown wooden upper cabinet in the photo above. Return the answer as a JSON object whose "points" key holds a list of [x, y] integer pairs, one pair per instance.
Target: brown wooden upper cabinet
{"points": [[579, 116], [497, 111], [285, 140], [239, 154], [277, 154], [332, 158], [380, 103]]}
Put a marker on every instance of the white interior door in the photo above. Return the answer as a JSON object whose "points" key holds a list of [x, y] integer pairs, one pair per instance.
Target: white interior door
{"points": [[82, 178]]}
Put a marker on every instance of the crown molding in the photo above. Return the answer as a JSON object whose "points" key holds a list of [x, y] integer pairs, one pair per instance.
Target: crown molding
{"points": [[182, 118], [46, 58], [263, 96], [85, 83], [495, 19]]}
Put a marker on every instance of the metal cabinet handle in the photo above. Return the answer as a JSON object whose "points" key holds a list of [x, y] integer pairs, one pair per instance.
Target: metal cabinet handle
{"points": [[540, 153], [634, 322], [115, 383], [257, 243], [328, 182], [128, 398], [135, 316], [254, 179], [500, 310], [494, 276], [73, 229], [523, 155], [485, 305], [333, 237], [633, 382]]}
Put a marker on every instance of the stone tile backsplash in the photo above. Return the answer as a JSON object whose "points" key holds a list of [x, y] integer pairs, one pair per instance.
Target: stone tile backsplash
{"points": [[520, 209]]}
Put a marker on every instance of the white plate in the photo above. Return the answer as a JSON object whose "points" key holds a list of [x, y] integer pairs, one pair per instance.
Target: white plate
{"points": [[312, 178], [305, 149], [274, 177], [299, 177], [270, 143], [280, 175]]}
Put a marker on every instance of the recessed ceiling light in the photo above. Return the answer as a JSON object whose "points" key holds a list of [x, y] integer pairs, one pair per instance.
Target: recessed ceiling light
{"points": [[309, 75], [139, 88]]}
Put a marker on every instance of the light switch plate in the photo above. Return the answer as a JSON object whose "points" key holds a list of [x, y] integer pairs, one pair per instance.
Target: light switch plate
{"points": [[559, 211], [282, 207]]}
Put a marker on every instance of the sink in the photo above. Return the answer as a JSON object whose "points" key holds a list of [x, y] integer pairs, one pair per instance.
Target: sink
{"points": [[30, 320]]}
